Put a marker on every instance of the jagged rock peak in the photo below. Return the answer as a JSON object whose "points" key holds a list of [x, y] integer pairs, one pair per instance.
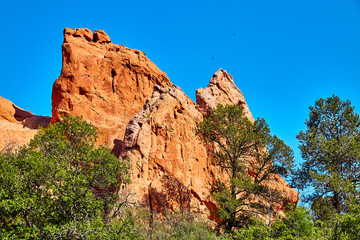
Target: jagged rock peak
{"points": [[221, 75], [98, 36], [221, 90]]}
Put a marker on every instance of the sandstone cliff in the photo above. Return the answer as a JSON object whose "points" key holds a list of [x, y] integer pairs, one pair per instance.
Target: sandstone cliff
{"points": [[171, 168], [17, 126], [104, 82], [117, 88]]}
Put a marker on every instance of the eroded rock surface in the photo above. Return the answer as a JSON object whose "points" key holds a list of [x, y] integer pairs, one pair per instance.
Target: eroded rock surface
{"points": [[104, 82], [17, 126], [170, 166], [221, 90]]}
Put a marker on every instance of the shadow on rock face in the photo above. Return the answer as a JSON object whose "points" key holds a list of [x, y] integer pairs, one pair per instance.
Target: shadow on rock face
{"points": [[168, 193], [34, 122], [118, 147], [21, 114], [30, 120]]}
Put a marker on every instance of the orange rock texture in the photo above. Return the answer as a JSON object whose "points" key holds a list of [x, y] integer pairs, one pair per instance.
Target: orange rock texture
{"points": [[221, 90], [104, 82], [170, 165], [17, 126]]}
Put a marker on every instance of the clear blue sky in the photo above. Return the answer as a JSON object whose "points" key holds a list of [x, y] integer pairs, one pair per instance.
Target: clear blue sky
{"points": [[283, 54]]}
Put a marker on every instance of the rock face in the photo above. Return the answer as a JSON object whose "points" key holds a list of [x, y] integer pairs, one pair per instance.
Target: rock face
{"points": [[221, 90], [104, 82], [17, 126], [171, 169], [141, 115], [145, 118]]}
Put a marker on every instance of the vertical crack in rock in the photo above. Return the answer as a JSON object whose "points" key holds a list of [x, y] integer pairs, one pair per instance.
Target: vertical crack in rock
{"points": [[113, 74]]}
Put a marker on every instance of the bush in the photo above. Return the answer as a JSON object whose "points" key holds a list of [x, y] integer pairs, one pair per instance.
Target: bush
{"points": [[297, 225], [60, 186]]}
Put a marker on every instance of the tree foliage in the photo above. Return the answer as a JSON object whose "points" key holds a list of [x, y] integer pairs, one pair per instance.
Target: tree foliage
{"points": [[249, 155], [60, 186], [330, 147], [297, 224], [349, 223]]}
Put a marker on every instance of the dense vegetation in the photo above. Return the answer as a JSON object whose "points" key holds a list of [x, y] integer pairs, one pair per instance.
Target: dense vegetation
{"points": [[61, 186]]}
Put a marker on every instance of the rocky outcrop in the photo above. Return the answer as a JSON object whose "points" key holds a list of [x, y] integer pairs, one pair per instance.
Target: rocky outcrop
{"points": [[170, 166], [105, 83], [17, 126], [143, 117], [290, 195], [221, 90]]}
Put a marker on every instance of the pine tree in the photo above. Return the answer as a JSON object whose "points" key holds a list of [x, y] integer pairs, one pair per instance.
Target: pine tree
{"points": [[330, 147], [249, 155]]}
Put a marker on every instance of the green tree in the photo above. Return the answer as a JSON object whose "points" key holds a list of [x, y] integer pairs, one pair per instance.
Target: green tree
{"points": [[249, 155], [297, 224], [322, 208], [60, 186], [330, 147], [349, 223]]}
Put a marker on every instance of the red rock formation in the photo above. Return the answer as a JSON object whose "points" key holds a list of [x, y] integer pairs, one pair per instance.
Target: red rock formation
{"points": [[118, 89], [17, 126], [109, 85], [221, 90], [171, 167], [169, 162], [104, 82]]}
